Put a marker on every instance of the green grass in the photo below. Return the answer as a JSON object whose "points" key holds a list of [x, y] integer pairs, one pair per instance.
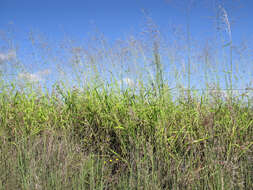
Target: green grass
{"points": [[101, 139], [103, 136]]}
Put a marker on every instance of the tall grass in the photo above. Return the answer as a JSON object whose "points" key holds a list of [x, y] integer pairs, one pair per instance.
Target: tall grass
{"points": [[105, 134], [103, 140]]}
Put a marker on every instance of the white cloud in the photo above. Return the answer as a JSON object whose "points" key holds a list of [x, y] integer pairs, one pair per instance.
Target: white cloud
{"points": [[8, 56], [44, 72], [34, 77], [127, 81]]}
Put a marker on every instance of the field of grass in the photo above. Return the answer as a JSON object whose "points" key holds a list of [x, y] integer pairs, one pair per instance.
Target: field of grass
{"points": [[109, 135], [101, 139]]}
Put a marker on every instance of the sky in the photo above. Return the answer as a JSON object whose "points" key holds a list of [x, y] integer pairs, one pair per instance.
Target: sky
{"points": [[115, 19]]}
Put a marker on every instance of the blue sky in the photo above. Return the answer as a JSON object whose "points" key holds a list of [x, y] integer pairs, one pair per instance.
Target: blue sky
{"points": [[116, 19]]}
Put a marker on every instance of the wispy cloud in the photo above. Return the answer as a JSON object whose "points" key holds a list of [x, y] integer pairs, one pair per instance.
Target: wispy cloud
{"points": [[34, 77], [127, 81], [7, 56]]}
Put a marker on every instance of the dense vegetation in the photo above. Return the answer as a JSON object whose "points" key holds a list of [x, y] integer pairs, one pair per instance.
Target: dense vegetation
{"points": [[105, 134], [101, 139]]}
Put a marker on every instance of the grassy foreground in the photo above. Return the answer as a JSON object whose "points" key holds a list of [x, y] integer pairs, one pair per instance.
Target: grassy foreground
{"points": [[101, 139]]}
